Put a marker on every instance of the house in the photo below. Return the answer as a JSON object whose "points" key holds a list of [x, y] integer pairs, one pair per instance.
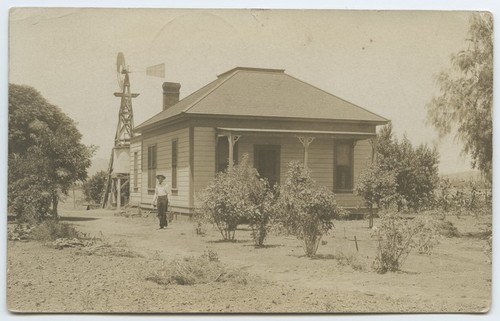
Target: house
{"points": [[265, 113]]}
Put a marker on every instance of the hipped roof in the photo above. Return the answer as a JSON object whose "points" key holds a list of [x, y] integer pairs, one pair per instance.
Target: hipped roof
{"points": [[265, 93]]}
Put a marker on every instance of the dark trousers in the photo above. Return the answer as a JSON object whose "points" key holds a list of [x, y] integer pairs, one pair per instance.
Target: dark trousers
{"points": [[162, 210]]}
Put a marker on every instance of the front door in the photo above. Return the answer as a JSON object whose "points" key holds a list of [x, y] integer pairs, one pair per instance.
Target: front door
{"points": [[267, 162]]}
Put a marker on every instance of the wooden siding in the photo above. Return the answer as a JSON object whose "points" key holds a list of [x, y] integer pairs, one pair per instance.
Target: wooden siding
{"points": [[320, 160], [179, 201], [203, 158], [135, 194]]}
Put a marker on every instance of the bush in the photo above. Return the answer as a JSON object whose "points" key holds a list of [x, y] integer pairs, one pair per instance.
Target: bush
{"points": [[353, 260], [51, 230], [235, 196], [377, 187], [306, 208], [28, 195], [463, 198], [397, 237], [262, 213], [197, 270]]}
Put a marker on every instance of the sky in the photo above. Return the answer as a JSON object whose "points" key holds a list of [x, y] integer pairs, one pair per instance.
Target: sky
{"points": [[384, 61]]}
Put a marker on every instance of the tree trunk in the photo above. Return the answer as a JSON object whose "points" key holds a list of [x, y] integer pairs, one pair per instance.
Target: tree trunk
{"points": [[370, 222], [55, 202]]}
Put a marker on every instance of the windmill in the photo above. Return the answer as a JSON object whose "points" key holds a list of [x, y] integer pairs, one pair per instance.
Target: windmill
{"points": [[118, 175]]}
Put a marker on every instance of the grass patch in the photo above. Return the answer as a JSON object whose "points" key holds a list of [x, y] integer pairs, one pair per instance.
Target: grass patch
{"points": [[197, 270]]}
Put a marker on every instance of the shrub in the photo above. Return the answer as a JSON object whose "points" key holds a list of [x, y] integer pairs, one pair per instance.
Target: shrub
{"points": [[262, 213], [397, 237], [197, 270], [306, 209], [28, 198], [377, 187], [353, 260], [447, 229], [235, 196], [51, 230]]}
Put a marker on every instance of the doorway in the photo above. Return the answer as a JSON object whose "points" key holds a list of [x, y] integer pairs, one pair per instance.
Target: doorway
{"points": [[267, 162]]}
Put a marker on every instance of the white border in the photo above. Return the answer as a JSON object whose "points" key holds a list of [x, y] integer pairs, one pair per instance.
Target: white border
{"points": [[487, 5]]}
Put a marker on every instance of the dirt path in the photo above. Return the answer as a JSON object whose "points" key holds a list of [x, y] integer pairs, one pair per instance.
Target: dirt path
{"points": [[455, 279]]}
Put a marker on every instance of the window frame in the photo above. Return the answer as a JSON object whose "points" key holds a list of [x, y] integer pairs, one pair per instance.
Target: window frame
{"points": [[349, 187], [152, 166], [174, 163], [136, 171]]}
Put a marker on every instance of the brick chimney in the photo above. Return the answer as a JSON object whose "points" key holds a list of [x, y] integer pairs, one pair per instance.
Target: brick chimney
{"points": [[170, 94]]}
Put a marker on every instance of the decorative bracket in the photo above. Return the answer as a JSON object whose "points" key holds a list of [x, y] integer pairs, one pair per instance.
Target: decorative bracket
{"points": [[306, 141]]}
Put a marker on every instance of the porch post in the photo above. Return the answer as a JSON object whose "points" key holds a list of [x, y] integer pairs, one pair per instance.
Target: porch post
{"points": [[306, 141], [119, 194], [232, 139], [373, 142]]}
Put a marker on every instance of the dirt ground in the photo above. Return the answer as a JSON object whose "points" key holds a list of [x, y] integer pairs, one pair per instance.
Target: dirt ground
{"points": [[456, 278]]}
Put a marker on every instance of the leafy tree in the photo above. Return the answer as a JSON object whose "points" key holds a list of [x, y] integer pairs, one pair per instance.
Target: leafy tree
{"points": [[45, 152], [415, 169], [466, 97], [307, 209], [93, 188]]}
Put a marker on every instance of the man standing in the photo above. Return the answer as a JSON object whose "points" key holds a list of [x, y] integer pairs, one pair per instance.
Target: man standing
{"points": [[161, 199]]}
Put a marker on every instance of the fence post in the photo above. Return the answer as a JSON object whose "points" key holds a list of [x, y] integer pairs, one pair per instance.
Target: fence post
{"points": [[356, 241]]}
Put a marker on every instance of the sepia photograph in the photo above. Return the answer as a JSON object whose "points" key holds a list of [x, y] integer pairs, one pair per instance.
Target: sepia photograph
{"points": [[249, 161]]}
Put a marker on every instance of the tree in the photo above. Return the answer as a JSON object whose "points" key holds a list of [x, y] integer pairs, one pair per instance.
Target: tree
{"points": [[377, 187], [93, 188], [45, 152], [466, 97], [307, 209], [415, 169]]}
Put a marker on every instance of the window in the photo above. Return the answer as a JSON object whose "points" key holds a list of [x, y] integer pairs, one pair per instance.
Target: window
{"points": [[136, 185], [174, 163], [343, 166], [152, 167]]}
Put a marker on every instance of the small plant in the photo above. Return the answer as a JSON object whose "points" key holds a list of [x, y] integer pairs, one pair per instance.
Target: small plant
{"points": [[397, 237], [51, 230], [306, 209], [353, 260], [197, 270]]}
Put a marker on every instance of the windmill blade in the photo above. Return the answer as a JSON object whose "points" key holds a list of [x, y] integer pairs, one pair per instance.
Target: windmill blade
{"points": [[156, 71]]}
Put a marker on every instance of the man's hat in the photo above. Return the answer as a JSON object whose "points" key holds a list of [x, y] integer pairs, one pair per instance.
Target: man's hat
{"points": [[158, 175]]}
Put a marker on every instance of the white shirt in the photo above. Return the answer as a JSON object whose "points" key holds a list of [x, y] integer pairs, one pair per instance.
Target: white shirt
{"points": [[161, 189]]}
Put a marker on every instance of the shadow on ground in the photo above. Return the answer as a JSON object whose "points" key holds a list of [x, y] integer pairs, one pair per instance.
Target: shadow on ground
{"points": [[77, 218]]}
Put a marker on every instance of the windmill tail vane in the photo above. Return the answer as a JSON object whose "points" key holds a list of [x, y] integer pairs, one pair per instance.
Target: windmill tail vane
{"points": [[156, 71]]}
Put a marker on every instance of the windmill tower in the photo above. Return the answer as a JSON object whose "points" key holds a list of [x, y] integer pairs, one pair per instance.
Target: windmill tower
{"points": [[117, 182]]}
